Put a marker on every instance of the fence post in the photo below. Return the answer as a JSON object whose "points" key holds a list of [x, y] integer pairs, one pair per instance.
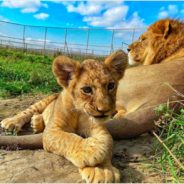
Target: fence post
{"points": [[87, 44], [24, 30], [45, 40], [133, 34], [112, 42], [65, 45]]}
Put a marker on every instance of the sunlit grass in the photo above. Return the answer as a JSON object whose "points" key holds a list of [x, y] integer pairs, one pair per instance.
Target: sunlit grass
{"points": [[22, 73], [171, 132], [25, 73]]}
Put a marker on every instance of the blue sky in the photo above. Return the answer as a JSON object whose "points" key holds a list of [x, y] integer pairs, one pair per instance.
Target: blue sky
{"points": [[84, 14], [89, 13]]}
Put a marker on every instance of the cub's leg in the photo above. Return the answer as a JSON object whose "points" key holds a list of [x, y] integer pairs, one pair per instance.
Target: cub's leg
{"points": [[37, 123], [103, 173], [90, 151], [16, 122]]}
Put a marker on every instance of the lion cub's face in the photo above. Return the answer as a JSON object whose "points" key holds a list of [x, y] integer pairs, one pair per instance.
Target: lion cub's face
{"points": [[95, 90], [92, 84]]}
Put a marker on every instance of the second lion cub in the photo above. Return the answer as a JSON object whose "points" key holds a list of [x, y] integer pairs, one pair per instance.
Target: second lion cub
{"points": [[73, 121]]}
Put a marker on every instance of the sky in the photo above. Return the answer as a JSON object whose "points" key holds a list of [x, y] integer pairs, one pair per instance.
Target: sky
{"points": [[85, 14]]}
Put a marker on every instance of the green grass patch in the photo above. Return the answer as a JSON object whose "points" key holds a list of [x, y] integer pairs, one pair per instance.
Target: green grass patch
{"points": [[22, 73], [171, 131]]}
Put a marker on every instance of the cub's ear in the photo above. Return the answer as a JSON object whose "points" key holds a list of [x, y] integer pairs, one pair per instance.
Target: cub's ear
{"points": [[117, 63], [162, 27], [64, 69]]}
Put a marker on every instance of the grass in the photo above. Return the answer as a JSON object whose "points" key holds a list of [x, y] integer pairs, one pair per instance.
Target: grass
{"points": [[22, 73], [171, 131], [27, 73]]}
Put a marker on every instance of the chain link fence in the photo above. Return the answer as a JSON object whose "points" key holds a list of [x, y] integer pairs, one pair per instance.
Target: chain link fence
{"points": [[50, 40]]}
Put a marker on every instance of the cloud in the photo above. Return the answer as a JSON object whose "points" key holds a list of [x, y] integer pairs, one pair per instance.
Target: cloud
{"points": [[26, 6], [108, 14], [163, 14], [169, 11], [41, 16], [134, 22], [29, 10], [128, 35], [89, 7], [109, 17], [173, 9], [85, 8]]}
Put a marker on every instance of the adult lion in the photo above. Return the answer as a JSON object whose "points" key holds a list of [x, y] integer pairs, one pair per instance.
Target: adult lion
{"points": [[145, 87], [162, 42]]}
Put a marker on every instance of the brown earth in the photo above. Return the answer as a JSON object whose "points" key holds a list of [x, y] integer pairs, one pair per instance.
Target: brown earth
{"points": [[133, 157]]}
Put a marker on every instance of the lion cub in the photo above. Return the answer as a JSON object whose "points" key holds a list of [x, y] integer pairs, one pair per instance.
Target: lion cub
{"points": [[73, 122]]}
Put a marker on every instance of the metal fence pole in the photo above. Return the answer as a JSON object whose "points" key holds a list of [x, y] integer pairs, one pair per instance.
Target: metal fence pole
{"points": [[87, 44], [133, 34], [45, 41], [65, 45], [23, 36], [112, 42]]}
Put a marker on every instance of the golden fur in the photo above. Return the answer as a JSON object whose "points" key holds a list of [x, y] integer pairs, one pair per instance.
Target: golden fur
{"points": [[162, 42], [145, 87], [141, 90], [73, 121]]}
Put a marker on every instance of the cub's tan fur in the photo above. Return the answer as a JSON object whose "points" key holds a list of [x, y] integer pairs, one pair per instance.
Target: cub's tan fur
{"points": [[162, 42], [89, 95]]}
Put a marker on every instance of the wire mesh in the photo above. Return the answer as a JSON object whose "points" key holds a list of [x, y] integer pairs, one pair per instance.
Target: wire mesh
{"points": [[50, 40]]}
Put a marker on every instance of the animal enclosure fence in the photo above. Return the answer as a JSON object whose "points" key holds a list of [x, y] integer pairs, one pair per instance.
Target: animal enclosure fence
{"points": [[49, 40]]}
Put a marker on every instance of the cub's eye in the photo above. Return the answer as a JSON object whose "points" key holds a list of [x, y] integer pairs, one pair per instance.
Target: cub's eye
{"points": [[87, 89], [111, 85]]}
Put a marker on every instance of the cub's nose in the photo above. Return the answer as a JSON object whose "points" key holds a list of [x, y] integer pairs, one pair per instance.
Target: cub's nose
{"points": [[103, 110]]}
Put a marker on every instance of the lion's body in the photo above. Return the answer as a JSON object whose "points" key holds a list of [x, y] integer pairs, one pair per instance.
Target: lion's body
{"points": [[141, 90], [145, 87], [72, 121], [162, 42]]}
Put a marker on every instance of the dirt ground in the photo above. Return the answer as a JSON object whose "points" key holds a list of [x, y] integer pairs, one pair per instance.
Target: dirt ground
{"points": [[132, 157]]}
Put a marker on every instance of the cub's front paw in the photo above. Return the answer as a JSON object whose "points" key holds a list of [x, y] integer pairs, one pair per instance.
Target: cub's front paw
{"points": [[37, 123], [100, 174], [91, 153], [120, 114], [11, 124]]}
